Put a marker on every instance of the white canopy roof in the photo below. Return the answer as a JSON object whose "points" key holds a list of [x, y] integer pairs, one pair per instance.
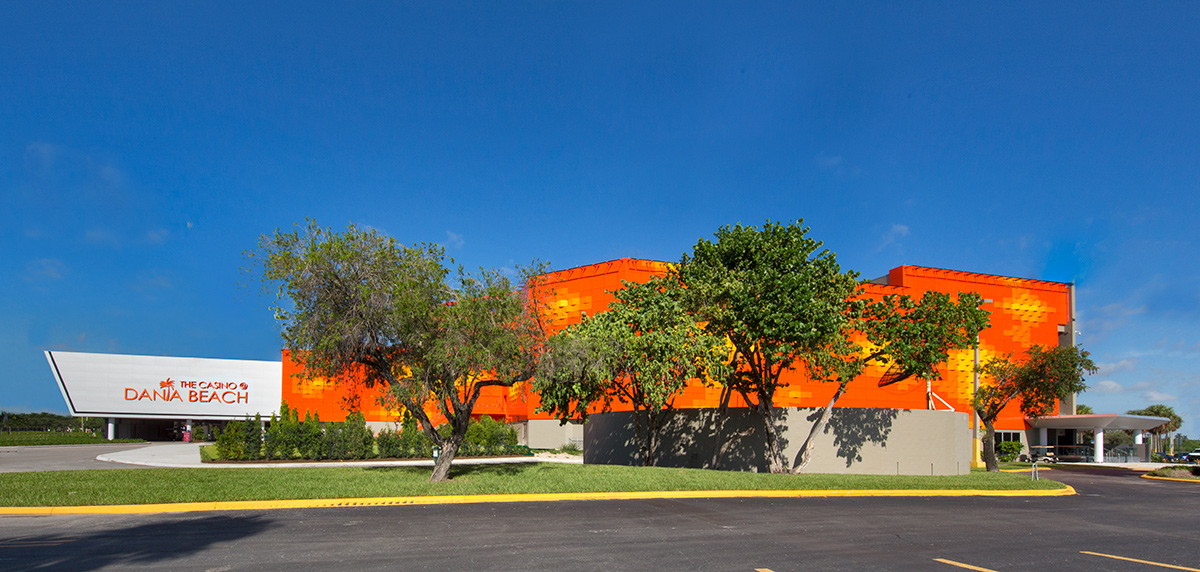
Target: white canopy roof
{"points": [[1098, 421]]}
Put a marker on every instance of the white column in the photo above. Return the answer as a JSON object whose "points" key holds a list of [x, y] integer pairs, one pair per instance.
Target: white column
{"points": [[1044, 438], [1099, 445], [1139, 438], [112, 428]]}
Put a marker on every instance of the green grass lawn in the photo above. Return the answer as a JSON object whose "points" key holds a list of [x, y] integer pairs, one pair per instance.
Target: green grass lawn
{"points": [[139, 486], [27, 438]]}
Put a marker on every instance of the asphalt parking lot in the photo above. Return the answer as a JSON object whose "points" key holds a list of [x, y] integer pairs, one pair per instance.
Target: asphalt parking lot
{"points": [[1116, 515], [60, 457]]}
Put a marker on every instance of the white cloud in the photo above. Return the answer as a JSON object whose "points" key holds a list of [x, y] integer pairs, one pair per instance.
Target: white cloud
{"points": [[835, 164], [1111, 317], [454, 239], [157, 236], [893, 236], [1110, 368], [152, 279], [1155, 396], [103, 236], [45, 269], [42, 155], [1107, 386], [828, 161]]}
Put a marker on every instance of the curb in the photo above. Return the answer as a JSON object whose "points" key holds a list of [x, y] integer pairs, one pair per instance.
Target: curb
{"points": [[108, 458], [506, 498], [1154, 478]]}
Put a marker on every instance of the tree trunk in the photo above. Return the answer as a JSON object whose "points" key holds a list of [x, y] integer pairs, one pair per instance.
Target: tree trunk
{"points": [[718, 444], [989, 446], [441, 467], [654, 423], [639, 438], [774, 450], [805, 454]]}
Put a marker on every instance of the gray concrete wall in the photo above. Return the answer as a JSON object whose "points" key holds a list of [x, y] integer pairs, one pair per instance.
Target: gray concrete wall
{"points": [[551, 434], [856, 441]]}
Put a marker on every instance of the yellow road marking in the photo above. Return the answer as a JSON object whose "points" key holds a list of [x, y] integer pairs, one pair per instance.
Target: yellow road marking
{"points": [[763, 570], [961, 565], [535, 497], [1141, 561]]}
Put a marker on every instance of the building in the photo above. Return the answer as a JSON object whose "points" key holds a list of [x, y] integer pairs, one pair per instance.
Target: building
{"points": [[911, 426]]}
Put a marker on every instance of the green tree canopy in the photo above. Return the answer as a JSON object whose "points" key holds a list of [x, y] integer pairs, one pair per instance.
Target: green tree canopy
{"points": [[1159, 410], [784, 303], [360, 303], [642, 352], [1038, 379], [1158, 433]]}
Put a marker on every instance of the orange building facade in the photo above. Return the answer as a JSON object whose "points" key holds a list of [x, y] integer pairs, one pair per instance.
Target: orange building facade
{"points": [[1023, 312]]}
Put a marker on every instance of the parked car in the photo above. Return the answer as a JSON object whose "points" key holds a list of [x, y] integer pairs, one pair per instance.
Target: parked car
{"points": [[1194, 456]]}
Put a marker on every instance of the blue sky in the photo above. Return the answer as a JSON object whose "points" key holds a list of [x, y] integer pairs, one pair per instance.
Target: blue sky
{"points": [[145, 146]]}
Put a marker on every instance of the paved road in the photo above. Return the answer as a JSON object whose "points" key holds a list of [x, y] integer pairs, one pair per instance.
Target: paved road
{"points": [[1115, 513], [60, 457]]}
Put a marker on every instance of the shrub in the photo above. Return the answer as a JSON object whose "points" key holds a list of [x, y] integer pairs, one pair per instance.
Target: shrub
{"points": [[310, 437], [1008, 450], [253, 437], [571, 447], [359, 442], [231, 443], [333, 444], [489, 437], [284, 435], [390, 445], [414, 441]]}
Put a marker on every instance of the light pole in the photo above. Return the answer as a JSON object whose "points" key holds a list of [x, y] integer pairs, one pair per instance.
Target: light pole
{"points": [[975, 446]]}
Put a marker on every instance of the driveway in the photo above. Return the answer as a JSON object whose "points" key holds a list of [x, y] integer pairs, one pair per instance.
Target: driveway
{"points": [[61, 457]]}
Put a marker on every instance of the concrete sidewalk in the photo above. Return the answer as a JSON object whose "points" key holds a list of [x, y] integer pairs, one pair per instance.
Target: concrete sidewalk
{"points": [[187, 455]]}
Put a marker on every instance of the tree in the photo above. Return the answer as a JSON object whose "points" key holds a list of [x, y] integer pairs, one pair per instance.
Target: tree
{"points": [[784, 303], [1038, 380], [1158, 433], [642, 351], [779, 298], [910, 336], [1081, 409], [358, 303]]}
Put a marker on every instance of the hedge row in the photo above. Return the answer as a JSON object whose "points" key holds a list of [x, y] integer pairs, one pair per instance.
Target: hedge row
{"points": [[287, 437]]}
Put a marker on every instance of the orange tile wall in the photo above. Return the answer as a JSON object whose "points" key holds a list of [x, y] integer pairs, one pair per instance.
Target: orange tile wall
{"points": [[1024, 312]]}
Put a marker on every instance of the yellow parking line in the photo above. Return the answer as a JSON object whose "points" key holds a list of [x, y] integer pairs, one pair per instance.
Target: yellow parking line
{"points": [[763, 570], [1172, 566], [961, 565]]}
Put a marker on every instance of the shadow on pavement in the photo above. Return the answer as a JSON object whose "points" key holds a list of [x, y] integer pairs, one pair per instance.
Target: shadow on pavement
{"points": [[149, 544]]}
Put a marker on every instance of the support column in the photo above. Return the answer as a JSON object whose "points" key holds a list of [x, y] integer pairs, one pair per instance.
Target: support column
{"points": [[1099, 446], [1139, 438], [112, 428]]}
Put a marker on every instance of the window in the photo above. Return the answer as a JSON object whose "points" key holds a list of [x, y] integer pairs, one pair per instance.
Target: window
{"points": [[1002, 436]]}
